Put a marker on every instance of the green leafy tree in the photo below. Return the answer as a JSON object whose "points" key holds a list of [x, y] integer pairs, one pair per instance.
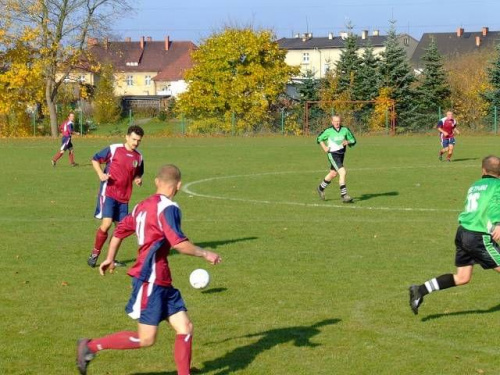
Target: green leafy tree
{"points": [[106, 103], [238, 75], [492, 95], [397, 75]]}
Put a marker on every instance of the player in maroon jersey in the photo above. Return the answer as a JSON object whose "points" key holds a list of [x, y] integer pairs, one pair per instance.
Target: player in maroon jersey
{"points": [[447, 130], [124, 167], [156, 221], [67, 130]]}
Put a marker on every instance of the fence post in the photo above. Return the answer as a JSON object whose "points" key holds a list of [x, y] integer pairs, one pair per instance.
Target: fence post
{"points": [[33, 117], [182, 123], [439, 113], [495, 119], [130, 116], [386, 121], [282, 121], [233, 120]]}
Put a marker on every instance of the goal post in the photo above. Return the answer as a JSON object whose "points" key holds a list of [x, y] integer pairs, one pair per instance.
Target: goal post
{"points": [[362, 116]]}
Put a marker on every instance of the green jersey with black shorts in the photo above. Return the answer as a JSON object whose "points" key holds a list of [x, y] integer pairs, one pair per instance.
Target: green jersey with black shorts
{"points": [[333, 139], [482, 212]]}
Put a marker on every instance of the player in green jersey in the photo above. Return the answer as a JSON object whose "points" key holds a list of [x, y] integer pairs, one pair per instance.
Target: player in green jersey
{"points": [[334, 141], [478, 235]]}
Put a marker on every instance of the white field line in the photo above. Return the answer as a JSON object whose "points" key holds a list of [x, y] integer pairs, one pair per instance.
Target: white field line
{"points": [[188, 190]]}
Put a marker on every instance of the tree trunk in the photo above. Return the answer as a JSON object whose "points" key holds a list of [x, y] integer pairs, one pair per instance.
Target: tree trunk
{"points": [[51, 105]]}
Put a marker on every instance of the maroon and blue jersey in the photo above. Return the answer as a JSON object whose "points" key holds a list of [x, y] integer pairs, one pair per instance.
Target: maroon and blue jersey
{"points": [[66, 128], [157, 223], [123, 166], [448, 125]]}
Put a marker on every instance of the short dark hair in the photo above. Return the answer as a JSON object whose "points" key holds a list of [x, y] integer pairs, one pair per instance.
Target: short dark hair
{"points": [[491, 165], [135, 129]]}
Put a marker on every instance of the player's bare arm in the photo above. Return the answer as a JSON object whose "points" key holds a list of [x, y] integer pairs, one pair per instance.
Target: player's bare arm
{"points": [[109, 263], [495, 233], [188, 248], [324, 146]]}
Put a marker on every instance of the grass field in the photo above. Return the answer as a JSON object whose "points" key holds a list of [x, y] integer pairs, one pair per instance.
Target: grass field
{"points": [[305, 287]]}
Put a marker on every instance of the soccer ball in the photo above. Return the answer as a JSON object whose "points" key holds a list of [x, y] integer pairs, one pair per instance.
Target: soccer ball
{"points": [[199, 278]]}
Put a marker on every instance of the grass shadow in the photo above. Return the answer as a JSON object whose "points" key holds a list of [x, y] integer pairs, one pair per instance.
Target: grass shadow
{"points": [[365, 197], [463, 159], [457, 313], [241, 357]]}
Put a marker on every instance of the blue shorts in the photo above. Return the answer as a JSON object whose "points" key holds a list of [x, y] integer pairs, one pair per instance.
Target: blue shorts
{"points": [[66, 144], [110, 208], [446, 142], [151, 303]]}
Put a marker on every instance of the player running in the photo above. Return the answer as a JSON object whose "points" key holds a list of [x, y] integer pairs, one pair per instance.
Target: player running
{"points": [[334, 141], [447, 130], [124, 166], [67, 130]]}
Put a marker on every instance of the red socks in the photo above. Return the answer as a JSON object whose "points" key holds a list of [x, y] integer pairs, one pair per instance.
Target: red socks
{"points": [[57, 156], [100, 239], [182, 353], [71, 157], [120, 340]]}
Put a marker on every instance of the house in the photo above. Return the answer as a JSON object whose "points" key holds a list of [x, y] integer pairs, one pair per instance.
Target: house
{"points": [[141, 68], [456, 43], [320, 54]]}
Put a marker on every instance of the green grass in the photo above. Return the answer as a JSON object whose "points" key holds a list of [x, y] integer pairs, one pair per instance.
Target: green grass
{"points": [[305, 287]]}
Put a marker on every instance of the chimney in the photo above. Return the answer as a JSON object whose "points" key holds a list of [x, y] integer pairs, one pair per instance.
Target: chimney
{"points": [[375, 33], [478, 41], [149, 39], [142, 42], [297, 35], [330, 36], [128, 39], [485, 31], [364, 34], [106, 43], [460, 31], [167, 43], [91, 42], [343, 35]]}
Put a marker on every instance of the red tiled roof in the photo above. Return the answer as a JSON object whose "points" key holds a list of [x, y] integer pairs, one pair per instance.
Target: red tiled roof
{"points": [[130, 57]]}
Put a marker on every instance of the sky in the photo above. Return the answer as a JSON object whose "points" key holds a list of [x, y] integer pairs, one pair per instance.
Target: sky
{"points": [[195, 20]]}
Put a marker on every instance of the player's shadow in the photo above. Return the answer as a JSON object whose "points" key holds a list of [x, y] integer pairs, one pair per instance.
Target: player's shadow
{"points": [[463, 159], [208, 244], [457, 313], [241, 357], [365, 197]]}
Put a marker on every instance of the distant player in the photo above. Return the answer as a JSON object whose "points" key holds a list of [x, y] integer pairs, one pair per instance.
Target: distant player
{"points": [[67, 130], [478, 235], [447, 130], [156, 221], [334, 141], [123, 167]]}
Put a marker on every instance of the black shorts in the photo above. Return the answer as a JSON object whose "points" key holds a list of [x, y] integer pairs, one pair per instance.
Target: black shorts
{"points": [[336, 160], [476, 248]]}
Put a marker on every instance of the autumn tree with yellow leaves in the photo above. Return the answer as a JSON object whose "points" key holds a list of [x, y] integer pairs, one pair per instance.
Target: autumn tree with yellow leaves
{"points": [[61, 28]]}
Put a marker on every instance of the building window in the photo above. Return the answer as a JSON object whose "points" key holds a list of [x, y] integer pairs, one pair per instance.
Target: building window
{"points": [[326, 68], [130, 80], [305, 58], [81, 79], [147, 80]]}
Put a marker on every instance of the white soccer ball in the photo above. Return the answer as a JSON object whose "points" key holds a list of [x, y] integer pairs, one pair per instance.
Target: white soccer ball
{"points": [[199, 279]]}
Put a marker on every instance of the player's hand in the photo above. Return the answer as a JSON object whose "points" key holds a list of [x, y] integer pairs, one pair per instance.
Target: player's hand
{"points": [[104, 177], [445, 133], [345, 143], [495, 233], [211, 257], [138, 181], [107, 265]]}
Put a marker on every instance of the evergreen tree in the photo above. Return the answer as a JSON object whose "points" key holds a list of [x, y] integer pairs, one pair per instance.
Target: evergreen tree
{"points": [[308, 89], [493, 96], [434, 89], [368, 80], [397, 75], [347, 66]]}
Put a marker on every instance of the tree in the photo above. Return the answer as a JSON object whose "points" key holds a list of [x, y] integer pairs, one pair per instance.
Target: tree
{"points": [[237, 75], [106, 104], [492, 95], [347, 66], [397, 75], [433, 90], [63, 27], [368, 75]]}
